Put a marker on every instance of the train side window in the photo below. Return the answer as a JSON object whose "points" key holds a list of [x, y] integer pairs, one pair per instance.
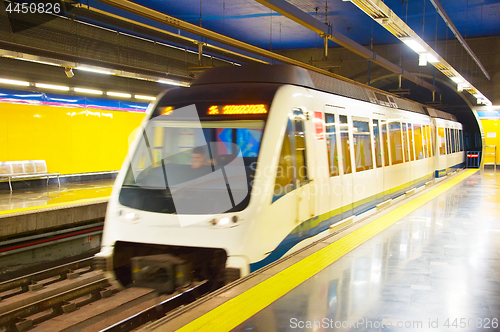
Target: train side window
{"points": [[425, 141], [285, 175], [362, 145], [457, 140], [158, 145], [344, 142], [419, 146], [396, 143], [385, 138], [448, 141], [432, 132], [441, 141], [300, 150], [453, 141], [405, 142], [428, 140], [331, 144], [460, 140], [410, 139], [376, 141]]}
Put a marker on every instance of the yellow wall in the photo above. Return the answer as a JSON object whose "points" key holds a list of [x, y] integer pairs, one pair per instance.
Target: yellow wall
{"points": [[491, 126], [71, 140]]}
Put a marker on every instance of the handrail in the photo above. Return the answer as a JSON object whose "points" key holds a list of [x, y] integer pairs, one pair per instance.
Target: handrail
{"points": [[492, 154]]}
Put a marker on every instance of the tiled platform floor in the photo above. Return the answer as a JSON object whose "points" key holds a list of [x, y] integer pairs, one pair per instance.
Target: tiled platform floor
{"points": [[438, 264], [41, 197]]}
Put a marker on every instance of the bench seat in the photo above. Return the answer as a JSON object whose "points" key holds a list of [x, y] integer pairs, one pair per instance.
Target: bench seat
{"points": [[28, 169]]}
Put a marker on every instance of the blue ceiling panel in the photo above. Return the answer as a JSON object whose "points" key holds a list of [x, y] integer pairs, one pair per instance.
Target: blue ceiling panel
{"points": [[251, 22]]}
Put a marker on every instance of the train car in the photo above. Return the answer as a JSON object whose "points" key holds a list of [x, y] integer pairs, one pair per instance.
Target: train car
{"points": [[252, 163], [449, 143]]}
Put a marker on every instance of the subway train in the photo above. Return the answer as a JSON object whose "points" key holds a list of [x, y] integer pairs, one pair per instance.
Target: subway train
{"points": [[252, 163]]}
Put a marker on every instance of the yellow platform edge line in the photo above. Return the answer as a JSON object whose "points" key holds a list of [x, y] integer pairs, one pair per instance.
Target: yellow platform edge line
{"points": [[237, 310], [54, 205]]}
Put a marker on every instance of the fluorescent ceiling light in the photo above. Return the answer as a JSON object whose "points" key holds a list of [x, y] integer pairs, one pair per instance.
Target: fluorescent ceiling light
{"points": [[457, 80], [413, 44], [145, 97], [119, 94], [14, 82], [53, 87], [38, 61], [93, 70], [90, 91], [422, 59], [170, 82], [431, 58], [460, 87]]}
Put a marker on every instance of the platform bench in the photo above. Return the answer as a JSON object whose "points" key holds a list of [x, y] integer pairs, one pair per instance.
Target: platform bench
{"points": [[28, 169]]}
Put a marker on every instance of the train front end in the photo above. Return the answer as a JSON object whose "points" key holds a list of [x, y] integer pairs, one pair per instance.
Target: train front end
{"points": [[179, 205]]}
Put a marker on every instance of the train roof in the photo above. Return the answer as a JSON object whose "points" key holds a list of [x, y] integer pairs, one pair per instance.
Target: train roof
{"points": [[288, 74]]}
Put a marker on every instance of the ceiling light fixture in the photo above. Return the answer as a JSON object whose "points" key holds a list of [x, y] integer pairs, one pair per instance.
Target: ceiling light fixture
{"points": [[171, 82], [431, 58], [381, 13], [422, 59], [51, 86], [142, 97], [89, 91], [38, 61], [14, 82], [413, 44], [95, 70], [119, 94]]}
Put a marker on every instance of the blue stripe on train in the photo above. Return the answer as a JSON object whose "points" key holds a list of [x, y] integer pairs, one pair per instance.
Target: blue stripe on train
{"points": [[295, 237], [443, 172]]}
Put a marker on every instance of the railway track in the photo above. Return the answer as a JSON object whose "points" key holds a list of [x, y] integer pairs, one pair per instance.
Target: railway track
{"points": [[74, 297]]}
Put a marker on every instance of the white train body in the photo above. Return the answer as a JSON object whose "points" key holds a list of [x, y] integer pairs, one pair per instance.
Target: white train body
{"points": [[391, 151]]}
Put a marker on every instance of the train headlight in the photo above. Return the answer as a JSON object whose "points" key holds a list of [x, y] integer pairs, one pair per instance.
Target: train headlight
{"points": [[131, 216], [224, 221]]}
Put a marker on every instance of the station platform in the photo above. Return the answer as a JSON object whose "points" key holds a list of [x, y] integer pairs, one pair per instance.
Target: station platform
{"points": [[53, 196], [29, 210], [431, 263]]}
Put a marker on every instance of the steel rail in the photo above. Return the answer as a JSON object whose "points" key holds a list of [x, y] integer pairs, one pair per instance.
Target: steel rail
{"points": [[159, 310], [61, 270], [9, 318]]}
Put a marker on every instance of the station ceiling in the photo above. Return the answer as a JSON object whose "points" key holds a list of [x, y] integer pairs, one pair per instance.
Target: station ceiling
{"points": [[256, 24], [243, 20]]}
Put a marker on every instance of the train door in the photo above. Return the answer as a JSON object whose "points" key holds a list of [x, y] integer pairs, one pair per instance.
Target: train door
{"points": [[379, 159], [333, 149], [406, 151], [411, 141], [387, 157], [347, 156], [305, 199]]}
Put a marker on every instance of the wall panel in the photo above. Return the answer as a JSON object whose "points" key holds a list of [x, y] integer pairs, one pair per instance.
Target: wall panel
{"points": [[71, 140]]}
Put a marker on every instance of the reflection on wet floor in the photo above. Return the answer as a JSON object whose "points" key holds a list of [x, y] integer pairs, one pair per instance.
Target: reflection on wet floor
{"points": [[439, 263], [52, 194]]}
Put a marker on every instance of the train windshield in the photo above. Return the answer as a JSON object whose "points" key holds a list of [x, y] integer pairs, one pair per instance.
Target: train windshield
{"points": [[191, 164]]}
